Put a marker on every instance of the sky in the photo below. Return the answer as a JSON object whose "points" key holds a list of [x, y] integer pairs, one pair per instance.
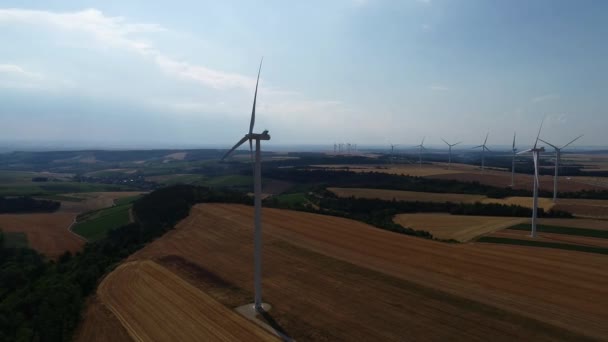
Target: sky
{"points": [[372, 72]]}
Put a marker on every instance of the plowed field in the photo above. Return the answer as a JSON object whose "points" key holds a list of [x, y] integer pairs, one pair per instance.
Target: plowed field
{"points": [[458, 227], [330, 278], [153, 304]]}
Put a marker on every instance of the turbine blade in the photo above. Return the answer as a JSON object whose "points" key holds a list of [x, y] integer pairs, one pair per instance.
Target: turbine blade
{"points": [[477, 146], [447, 143], [487, 149], [526, 151], [541, 127], [458, 143], [422, 143], [241, 142], [580, 136], [255, 97], [485, 141], [514, 141], [555, 147]]}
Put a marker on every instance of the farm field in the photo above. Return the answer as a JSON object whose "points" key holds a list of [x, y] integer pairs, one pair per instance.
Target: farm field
{"points": [[523, 181], [397, 169], [400, 195], [181, 312], [458, 227], [578, 223], [552, 237], [584, 207], [96, 225], [46, 233], [423, 289]]}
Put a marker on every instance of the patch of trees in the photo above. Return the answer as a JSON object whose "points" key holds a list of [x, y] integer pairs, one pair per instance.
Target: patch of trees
{"points": [[42, 300], [27, 205], [379, 180]]}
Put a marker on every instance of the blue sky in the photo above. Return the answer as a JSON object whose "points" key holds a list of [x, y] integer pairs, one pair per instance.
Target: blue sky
{"points": [[141, 73]]}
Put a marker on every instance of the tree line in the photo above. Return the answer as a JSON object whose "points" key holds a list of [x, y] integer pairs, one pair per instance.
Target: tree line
{"points": [[27, 205], [42, 300]]}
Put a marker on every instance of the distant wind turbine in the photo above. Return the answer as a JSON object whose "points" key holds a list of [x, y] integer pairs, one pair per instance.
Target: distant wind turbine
{"points": [[392, 152], [450, 151], [514, 150], [535, 156], [258, 137], [558, 154], [420, 149], [484, 148]]}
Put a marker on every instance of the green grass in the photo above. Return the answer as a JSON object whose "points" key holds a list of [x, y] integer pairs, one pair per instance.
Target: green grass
{"points": [[602, 234], [578, 248], [183, 179], [14, 240], [126, 200], [97, 224], [228, 181], [298, 198], [61, 198], [55, 188]]}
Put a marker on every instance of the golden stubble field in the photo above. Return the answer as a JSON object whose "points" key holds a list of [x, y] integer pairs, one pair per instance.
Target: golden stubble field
{"points": [[334, 279], [458, 227], [400, 195], [154, 304]]}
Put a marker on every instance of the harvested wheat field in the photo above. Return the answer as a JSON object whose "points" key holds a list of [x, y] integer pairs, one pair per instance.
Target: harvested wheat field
{"points": [[153, 304], [334, 279], [46, 233], [389, 195], [400, 195], [522, 181], [584, 207], [551, 237], [578, 223], [458, 227], [545, 203]]}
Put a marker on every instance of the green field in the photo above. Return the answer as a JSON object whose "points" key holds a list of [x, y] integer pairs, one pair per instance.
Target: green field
{"points": [[508, 241], [295, 199], [14, 240], [602, 234], [95, 225], [53, 188], [61, 198], [228, 181], [126, 200]]}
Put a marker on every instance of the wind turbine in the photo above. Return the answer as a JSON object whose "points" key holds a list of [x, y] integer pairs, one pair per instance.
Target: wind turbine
{"points": [[258, 137], [535, 156], [392, 151], [558, 154], [420, 148], [483, 149], [514, 150], [450, 151]]}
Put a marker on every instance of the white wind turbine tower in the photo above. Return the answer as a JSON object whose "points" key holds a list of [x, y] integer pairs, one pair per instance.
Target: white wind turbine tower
{"points": [[258, 137], [392, 152], [450, 151], [484, 148], [514, 150], [535, 156], [420, 149], [558, 154]]}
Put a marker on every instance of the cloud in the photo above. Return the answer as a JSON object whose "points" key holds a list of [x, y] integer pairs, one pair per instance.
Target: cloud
{"points": [[545, 98], [438, 87], [15, 70], [118, 32]]}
